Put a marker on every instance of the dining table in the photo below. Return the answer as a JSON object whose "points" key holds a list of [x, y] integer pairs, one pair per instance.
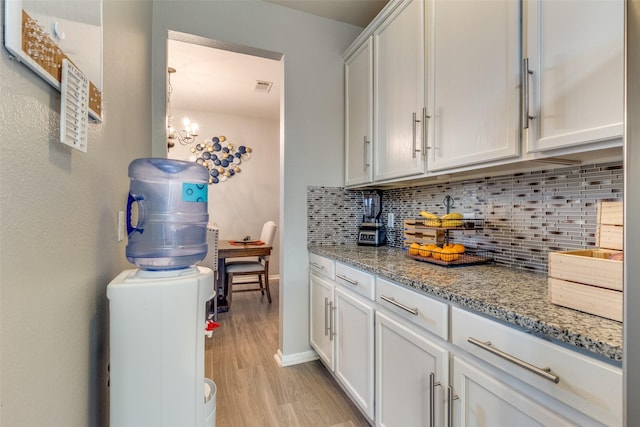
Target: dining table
{"points": [[234, 249]]}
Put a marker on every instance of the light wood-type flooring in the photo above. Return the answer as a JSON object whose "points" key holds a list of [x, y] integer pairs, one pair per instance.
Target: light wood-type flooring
{"points": [[252, 390]]}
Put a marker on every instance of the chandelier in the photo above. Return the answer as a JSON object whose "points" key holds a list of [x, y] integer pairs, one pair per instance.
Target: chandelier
{"points": [[189, 133]]}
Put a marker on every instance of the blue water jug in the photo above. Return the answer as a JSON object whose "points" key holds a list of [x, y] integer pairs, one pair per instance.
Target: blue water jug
{"points": [[172, 215]]}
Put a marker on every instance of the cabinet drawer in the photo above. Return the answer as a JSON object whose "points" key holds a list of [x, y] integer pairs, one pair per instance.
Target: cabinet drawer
{"points": [[322, 266], [586, 384], [356, 280], [418, 308]]}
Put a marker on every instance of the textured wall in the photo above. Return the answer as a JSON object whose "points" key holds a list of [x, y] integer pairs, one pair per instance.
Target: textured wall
{"points": [[58, 246], [243, 203], [526, 215], [312, 119]]}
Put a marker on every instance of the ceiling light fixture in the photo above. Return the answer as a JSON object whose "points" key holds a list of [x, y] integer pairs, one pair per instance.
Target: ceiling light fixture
{"points": [[189, 133]]}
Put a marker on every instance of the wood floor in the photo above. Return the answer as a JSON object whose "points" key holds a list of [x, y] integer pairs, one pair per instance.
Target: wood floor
{"points": [[253, 390]]}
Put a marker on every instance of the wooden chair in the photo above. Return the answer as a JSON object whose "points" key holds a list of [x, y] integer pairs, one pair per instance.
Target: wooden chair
{"points": [[259, 268]]}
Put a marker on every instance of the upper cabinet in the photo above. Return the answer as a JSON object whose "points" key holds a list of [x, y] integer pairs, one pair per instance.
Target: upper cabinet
{"points": [[436, 87], [575, 73], [474, 82], [399, 93], [359, 115]]}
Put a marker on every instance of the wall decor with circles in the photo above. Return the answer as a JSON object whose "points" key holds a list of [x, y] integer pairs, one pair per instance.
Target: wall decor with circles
{"points": [[222, 158]]}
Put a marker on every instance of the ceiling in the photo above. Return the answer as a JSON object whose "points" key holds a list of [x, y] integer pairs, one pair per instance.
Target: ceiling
{"points": [[221, 81], [215, 80], [355, 12]]}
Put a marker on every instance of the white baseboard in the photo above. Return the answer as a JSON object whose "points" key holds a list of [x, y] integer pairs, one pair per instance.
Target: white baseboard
{"points": [[295, 359]]}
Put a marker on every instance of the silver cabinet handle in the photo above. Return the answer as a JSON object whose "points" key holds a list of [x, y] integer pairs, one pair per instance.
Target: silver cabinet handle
{"points": [[326, 317], [318, 266], [526, 72], [543, 372], [432, 398], [391, 300], [346, 279], [413, 124], [366, 165], [450, 398], [332, 331], [425, 130]]}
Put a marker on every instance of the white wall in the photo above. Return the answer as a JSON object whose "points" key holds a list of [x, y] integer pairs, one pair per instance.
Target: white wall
{"points": [[312, 153], [58, 246], [243, 203]]}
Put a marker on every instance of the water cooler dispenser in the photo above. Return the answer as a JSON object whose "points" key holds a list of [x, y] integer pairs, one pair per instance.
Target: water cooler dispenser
{"points": [[157, 333], [158, 311]]}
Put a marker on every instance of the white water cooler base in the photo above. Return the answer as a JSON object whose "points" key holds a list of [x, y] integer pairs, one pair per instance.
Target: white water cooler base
{"points": [[157, 334]]}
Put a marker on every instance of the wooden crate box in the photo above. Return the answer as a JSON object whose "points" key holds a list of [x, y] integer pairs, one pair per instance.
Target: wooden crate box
{"points": [[416, 232], [588, 280], [591, 267]]}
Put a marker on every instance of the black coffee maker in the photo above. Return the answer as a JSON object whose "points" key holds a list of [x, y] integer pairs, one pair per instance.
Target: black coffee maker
{"points": [[372, 231]]}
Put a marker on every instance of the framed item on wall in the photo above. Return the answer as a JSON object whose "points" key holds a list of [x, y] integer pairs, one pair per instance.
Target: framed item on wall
{"points": [[42, 34]]}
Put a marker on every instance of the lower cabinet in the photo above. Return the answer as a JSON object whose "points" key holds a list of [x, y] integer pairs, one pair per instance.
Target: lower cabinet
{"points": [[321, 318], [354, 319], [585, 390], [484, 401], [342, 334], [407, 359], [412, 373]]}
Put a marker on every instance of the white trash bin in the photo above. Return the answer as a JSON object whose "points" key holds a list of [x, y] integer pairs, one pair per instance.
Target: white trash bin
{"points": [[210, 403]]}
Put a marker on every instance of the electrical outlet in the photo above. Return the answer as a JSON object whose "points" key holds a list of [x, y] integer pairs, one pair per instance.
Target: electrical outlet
{"points": [[391, 217]]}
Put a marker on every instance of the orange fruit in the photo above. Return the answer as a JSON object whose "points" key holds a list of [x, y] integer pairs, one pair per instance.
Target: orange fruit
{"points": [[449, 254], [414, 249], [425, 251], [436, 252], [459, 248]]}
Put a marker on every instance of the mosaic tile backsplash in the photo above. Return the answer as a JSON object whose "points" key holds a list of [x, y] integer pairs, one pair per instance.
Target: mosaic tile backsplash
{"points": [[525, 215]]}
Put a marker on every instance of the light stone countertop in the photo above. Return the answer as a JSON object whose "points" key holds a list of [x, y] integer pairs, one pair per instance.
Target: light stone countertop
{"points": [[513, 296]]}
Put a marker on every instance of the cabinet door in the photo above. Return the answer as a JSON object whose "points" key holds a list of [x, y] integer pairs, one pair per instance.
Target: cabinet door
{"points": [[399, 93], [575, 50], [474, 82], [321, 318], [359, 115], [484, 401], [586, 385], [404, 361], [354, 347]]}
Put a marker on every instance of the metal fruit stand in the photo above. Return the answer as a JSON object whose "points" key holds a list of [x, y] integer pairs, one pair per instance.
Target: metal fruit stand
{"points": [[426, 232]]}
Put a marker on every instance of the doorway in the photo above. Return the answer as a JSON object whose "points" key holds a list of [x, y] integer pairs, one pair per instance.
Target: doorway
{"points": [[234, 94]]}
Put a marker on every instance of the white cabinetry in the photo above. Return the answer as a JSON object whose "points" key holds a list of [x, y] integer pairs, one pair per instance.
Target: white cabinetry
{"points": [[321, 318], [474, 82], [544, 371], [399, 93], [419, 361], [354, 325], [341, 326], [484, 401], [321, 285], [412, 362], [354, 347], [507, 83], [359, 115], [412, 372], [575, 53]]}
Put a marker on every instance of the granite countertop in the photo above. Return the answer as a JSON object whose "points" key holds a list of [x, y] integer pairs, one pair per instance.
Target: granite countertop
{"points": [[514, 296]]}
